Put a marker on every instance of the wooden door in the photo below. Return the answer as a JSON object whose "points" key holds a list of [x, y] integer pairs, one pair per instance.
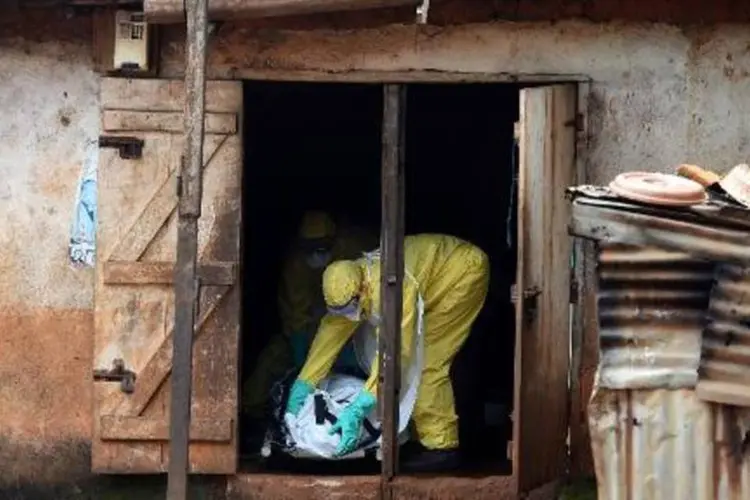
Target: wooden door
{"points": [[134, 302], [546, 167]]}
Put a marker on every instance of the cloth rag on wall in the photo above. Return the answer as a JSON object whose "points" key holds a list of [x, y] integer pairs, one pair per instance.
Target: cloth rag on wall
{"points": [[82, 250]]}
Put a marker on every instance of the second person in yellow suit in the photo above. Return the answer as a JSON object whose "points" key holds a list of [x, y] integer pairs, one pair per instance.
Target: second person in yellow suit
{"points": [[301, 303], [452, 277]]}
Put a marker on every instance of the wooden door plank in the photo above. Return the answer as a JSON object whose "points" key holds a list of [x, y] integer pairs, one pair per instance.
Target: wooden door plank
{"points": [[162, 273], [159, 366], [120, 120], [129, 428], [161, 206], [546, 168]]}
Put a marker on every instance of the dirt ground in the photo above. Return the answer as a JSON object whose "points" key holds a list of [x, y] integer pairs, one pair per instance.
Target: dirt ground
{"points": [[154, 488]]}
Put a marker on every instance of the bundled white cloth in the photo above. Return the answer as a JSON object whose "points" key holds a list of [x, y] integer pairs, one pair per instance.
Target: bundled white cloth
{"points": [[308, 431], [306, 435]]}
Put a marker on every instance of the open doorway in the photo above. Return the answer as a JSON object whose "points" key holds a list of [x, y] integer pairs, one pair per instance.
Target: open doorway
{"points": [[317, 147]]}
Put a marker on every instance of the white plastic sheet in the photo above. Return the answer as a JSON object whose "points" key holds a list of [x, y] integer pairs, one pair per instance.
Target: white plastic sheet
{"points": [[311, 438]]}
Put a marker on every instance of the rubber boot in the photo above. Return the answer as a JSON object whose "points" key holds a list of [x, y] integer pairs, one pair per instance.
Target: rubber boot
{"points": [[417, 459]]}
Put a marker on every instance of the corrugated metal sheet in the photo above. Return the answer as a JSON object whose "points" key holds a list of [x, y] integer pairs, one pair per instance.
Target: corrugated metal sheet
{"points": [[702, 236], [725, 364], [651, 307], [668, 445], [715, 211]]}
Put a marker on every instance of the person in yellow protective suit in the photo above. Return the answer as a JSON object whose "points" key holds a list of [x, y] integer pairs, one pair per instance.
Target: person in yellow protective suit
{"points": [[301, 303], [452, 277]]}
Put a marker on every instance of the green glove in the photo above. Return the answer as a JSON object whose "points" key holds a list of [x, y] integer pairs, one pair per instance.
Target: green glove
{"points": [[350, 422], [298, 396]]}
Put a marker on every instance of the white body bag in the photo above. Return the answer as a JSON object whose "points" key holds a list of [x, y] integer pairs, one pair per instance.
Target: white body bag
{"points": [[307, 435]]}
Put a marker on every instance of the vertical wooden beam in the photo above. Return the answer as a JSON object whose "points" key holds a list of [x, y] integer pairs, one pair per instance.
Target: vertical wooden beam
{"points": [[585, 338], [190, 191], [392, 275], [103, 28]]}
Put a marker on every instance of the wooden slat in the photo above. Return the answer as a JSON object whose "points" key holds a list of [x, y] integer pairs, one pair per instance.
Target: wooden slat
{"points": [[162, 273], [168, 95], [163, 204], [159, 366], [173, 11], [127, 428], [119, 120], [103, 43], [546, 168]]}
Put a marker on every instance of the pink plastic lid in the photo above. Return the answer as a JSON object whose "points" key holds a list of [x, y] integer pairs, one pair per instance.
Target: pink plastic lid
{"points": [[658, 189]]}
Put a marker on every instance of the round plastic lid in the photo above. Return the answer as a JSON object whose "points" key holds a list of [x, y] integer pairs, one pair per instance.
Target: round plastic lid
{"points": [[658, 189]]}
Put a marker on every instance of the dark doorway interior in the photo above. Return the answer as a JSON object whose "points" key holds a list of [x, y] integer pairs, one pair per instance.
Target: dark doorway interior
{"points": [[317, 146]]}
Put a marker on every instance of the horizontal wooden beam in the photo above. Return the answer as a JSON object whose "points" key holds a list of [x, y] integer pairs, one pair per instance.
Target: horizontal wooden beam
{"points": [[116, 120], [125, 428], [173, 11], [169, 95], [162, 273]]}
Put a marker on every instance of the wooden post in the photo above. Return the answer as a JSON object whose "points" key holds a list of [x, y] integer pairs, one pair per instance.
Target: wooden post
{"points": [[189, 191], [392, 275]]}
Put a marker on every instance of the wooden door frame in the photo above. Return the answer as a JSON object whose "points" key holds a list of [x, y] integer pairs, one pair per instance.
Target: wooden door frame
{"points": [[580, 329]]}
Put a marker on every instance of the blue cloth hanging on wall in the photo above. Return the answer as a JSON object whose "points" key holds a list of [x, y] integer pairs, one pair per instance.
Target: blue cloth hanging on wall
{"points": [[83, 232]]}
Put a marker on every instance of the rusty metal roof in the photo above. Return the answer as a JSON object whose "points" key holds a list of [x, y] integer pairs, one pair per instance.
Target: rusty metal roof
{"points": [[711, 231]]}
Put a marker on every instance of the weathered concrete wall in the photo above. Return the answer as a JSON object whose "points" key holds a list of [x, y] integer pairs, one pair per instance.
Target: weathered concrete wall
{"points": [[48, 98], [660, 95]]}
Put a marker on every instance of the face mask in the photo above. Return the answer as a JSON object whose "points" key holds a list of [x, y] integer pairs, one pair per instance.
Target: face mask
{"points": [[351, 311], [318, 260], [355, 316]]}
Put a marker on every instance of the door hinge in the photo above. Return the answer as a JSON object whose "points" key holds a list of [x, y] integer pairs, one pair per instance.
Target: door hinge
{"points": [[577, 122], [130, 148], [573, 291], [118, 373], [530, 300]]}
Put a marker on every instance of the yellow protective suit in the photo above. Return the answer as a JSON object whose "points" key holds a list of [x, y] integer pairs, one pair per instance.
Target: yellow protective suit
{"points": [[453, 278], [301, 307]]}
